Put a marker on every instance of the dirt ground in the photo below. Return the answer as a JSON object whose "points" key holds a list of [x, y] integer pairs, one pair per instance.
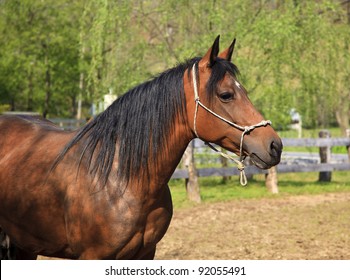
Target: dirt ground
{"points": [[296, 227]]}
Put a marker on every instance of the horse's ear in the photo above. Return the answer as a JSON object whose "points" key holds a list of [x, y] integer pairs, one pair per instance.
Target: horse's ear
{"points": [[209, 58], [227, 54]]}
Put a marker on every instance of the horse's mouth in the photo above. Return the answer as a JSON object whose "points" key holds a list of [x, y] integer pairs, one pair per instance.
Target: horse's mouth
{"points": [[260, 163]]}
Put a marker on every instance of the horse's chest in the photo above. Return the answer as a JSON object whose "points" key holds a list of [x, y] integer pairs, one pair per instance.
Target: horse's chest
{"points": [[153, 223], [124, 228], [143, 242], [156, 225]]}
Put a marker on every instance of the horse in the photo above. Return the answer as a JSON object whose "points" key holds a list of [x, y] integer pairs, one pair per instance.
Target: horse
{"points": [[101, 191]]}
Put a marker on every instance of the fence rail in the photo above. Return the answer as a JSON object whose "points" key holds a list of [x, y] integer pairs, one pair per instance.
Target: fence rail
{"points": [[315, 142], [251, 170], [68, 124], [285, 166]]}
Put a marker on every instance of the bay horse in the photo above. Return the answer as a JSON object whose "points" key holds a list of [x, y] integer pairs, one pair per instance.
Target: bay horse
{"points": [[101, 192]]}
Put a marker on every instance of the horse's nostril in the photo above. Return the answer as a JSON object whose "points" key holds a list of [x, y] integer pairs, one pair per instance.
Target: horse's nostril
{"points": [[275, 149], [273, 146]]}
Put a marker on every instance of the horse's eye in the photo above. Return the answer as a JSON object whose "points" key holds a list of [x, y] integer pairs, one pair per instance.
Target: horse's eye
{"points": [[226, 96]]}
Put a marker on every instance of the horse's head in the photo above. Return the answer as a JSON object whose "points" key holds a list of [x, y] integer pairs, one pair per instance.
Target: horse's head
{"points": [[219, 110]]}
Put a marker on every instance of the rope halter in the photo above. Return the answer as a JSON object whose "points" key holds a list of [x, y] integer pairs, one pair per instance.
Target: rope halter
{"points": [[244, 129]]}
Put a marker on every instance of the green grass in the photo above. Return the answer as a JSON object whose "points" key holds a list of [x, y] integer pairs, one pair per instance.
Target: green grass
{"points": [[213, 189], [311, 133]]}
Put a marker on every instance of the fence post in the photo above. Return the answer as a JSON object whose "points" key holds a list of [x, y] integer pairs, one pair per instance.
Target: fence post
{"points": [[271, 181], [325, 157], [192, 185], [348, 135]]}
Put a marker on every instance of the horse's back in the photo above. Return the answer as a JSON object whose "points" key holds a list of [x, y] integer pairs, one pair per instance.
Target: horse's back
{"points": [[29, 142], [23, 122], [28, 192], [24, 129]]}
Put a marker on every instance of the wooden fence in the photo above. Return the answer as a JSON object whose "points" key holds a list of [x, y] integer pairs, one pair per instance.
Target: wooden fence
{"points": [[324, 166], [68, 124], [283, 167]]}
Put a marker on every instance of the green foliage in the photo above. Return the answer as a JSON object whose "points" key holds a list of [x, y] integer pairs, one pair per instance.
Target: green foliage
{"points": [[4, 108], [38, 55], [292, 54]]}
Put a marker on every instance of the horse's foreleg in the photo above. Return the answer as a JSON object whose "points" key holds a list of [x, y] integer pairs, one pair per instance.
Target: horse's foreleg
{"points": [[147, 255]]}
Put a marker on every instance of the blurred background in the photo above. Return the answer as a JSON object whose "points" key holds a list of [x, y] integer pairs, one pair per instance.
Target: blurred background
{"points": [[69, 59]]}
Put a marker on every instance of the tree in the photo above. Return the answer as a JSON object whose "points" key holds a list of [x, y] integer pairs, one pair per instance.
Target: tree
{"points": [[292, 54], [38, 54]]}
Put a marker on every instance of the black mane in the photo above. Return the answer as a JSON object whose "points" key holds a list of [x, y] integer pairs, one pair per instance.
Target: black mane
{"points": [[139, 123]]}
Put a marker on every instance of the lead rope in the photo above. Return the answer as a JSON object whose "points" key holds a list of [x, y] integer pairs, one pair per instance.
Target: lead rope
{"points": [[245, 129]]}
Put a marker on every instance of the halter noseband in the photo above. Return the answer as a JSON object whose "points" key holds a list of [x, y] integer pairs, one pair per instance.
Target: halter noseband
{"points": [[244, 129]]}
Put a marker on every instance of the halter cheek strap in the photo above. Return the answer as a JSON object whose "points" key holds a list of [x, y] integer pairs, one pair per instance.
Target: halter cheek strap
{"points": [[244, 129]]}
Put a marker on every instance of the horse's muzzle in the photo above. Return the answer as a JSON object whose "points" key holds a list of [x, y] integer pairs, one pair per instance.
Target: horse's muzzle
{"points": [[270, 157]]}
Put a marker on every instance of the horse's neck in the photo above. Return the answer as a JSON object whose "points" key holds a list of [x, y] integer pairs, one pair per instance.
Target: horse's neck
{"points": [[161, 169], [168, 160]]}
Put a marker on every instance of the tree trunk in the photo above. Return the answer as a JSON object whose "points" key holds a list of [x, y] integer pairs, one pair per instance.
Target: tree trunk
{"points": [[30, 92], [81, 81], [192, 185], [47, 82], [342, 114], [81, 86]]}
